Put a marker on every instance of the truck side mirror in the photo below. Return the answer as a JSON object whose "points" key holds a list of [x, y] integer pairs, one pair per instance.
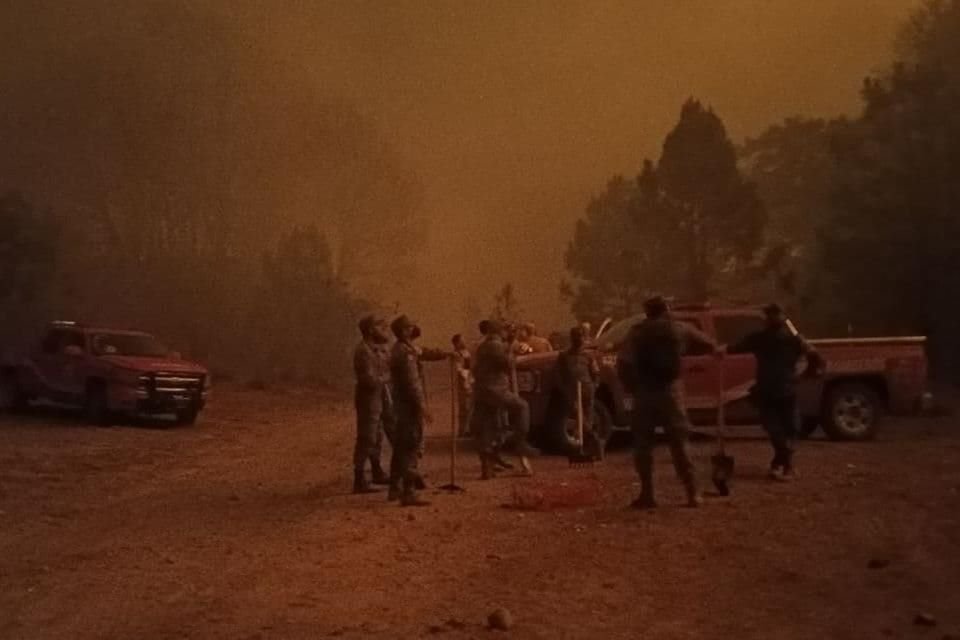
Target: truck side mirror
{"points": [[73, 351]]}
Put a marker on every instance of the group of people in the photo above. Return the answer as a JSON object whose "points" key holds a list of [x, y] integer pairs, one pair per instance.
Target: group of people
{"points": [[649, 365], [390, 400], [391, 397]]}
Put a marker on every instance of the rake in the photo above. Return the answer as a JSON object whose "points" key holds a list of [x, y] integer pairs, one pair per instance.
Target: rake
{"points": [[721, 463], [579, 459]]}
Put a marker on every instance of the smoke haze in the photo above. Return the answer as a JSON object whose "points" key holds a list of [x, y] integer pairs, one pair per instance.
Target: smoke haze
{"points": [[513, 113]]}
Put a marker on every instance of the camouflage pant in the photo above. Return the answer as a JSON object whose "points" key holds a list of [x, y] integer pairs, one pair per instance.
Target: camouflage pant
{"points": [[375, 417], [779, 418], [664, 408], [465, 410], [407, 449], [488, 409]]}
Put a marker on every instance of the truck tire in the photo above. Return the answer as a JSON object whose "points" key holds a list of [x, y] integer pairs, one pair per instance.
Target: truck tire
{"points": [[558, 437], [96, 407], [851, 411], [12, 397], [187, 417]]}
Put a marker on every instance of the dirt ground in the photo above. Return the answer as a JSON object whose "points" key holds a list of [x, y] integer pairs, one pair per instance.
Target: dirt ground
{"points": [[243, 527]]}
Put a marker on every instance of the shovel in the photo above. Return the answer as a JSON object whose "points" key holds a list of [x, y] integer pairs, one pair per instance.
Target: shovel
{"points": [[453, 487], [579, 458], [721, 463]]}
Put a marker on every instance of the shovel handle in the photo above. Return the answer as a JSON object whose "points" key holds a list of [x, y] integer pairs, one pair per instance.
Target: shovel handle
{"points": [[721, 402], [580, 415]]}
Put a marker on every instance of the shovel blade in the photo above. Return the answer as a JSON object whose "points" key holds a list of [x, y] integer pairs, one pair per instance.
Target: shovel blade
{"points": [[723, 466]]}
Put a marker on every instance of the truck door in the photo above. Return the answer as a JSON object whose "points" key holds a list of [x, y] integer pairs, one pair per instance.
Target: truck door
{"points": [[740, 370], [57, 371]]}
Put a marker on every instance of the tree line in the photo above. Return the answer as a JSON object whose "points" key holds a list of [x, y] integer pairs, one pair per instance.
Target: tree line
{"points": [[852, 222], [157, 171]]}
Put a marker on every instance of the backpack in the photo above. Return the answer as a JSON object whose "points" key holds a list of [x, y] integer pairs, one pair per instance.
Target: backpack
{"points": [[657, 353]]}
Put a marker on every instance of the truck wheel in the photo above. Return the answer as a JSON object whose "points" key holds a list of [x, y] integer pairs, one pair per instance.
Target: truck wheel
{"points": [[96, 407], [187, 417], [12, 398], [851, 412], [560, 430]]}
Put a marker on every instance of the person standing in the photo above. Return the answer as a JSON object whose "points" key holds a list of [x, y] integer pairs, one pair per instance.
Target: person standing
{"points": [[528, 335], [577, 367], [777, 350], [412, 414], [656, 346], [464, 383], [372, 402], [494, 394]]}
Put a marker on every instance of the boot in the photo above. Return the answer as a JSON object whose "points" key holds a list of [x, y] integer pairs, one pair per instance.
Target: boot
{"points": [[645, 502], [646, 499], [379, 475], [500, 463], [694, 499], [526, 469], [526, 450], [360, 483], [410, 498], [393, 494], [487, 467], [419, 483]]}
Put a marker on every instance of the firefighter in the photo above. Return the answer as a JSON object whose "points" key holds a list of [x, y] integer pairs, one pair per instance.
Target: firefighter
{"points": [[494, 394], [655, 347], [372, 401], [412, 414], [528, 335], [777, 350], [577, 365]]}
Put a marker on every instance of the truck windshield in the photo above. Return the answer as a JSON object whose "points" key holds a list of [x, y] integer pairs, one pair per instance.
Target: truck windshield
{"points": [[128, 344], [617, 333]]}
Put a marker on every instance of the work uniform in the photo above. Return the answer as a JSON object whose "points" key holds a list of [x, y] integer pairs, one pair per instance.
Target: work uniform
{"points": [[777, 351], [494, 394], [655, 348], [410, 403], [464, 389], [577, 365], [373, 403]]}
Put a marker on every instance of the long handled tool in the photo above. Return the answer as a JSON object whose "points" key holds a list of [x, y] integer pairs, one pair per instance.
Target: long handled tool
{"points": [[721, 462], [525, 467], [453, 487], [579, 458]]}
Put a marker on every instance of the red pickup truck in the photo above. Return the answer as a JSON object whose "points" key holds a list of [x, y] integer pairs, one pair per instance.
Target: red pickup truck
{"points": [[106, 372], [864, 378]]}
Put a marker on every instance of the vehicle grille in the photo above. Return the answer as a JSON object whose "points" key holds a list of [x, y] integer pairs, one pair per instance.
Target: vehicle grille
{"points": [[177, 383]]}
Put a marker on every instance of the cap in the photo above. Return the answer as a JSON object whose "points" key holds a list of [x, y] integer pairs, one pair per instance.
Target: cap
{"points": [[401, 323], [655, 305], [495, 326], [366, 324]]}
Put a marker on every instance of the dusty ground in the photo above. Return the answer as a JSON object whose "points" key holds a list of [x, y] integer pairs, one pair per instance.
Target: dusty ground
{"points": [[242, 527]]}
